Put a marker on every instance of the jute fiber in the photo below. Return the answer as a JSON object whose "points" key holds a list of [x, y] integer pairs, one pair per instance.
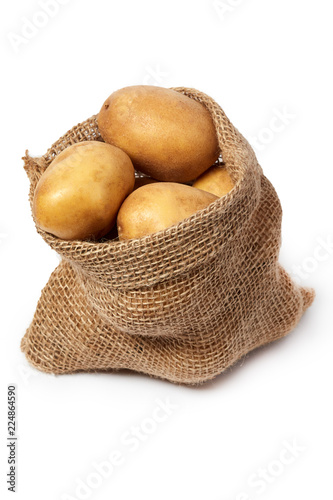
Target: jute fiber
{"points": [[182, 304]]}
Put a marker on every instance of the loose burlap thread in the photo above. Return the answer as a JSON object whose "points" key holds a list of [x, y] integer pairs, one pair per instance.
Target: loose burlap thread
{"points": [[182, 304]]}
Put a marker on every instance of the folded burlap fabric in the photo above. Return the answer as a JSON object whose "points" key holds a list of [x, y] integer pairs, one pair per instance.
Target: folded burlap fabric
{"points": [[182, 304]]}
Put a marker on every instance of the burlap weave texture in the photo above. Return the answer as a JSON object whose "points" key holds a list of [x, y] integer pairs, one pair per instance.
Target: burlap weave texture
{"points": [[182, 304]]}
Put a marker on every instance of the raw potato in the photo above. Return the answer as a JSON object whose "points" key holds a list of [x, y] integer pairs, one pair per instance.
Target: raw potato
{"points": [[155, 207], [79, 194], [216, 180], [167, 135]]}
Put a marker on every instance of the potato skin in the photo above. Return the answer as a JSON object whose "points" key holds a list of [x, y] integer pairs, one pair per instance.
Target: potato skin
{"points": [[215, 180], [79, 194], [155, 207], [167, 135]]}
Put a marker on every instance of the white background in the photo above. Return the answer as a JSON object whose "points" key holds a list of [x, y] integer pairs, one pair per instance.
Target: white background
{"points": [[256, 58]]}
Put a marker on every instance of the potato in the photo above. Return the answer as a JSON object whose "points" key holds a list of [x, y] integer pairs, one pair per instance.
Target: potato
{"points": [[215, 180], [154, 207], [79, 194], [167, 135]]}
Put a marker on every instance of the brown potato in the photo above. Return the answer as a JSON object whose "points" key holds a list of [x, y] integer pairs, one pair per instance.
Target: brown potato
{"points": [[167, 135], [215, 180], [79, 194], [154, 207]]}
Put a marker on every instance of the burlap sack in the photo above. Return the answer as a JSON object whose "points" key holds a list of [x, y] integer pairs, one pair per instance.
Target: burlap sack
{"points": [[182, 304]]}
